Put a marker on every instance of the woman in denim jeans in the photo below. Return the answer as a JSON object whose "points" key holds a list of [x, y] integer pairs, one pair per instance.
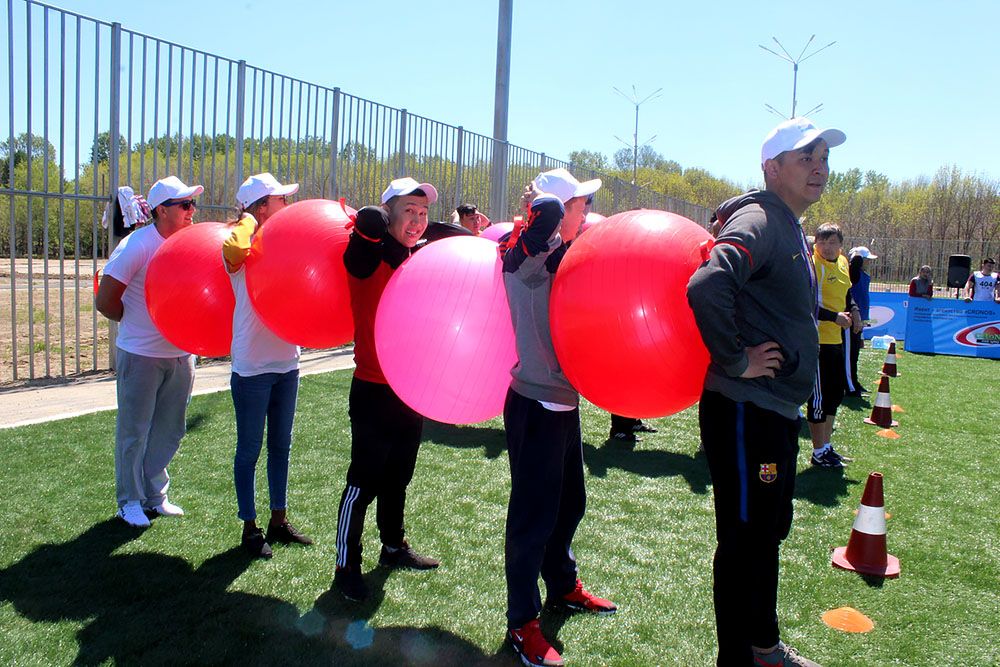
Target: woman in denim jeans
{"points": [[265, 379]]}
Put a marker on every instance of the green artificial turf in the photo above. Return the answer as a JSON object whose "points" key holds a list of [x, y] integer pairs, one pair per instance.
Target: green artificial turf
{"points": [[77, 585]]}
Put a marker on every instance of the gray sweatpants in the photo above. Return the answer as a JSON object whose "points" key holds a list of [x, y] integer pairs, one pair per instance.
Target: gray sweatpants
{"points": [[152, 398]]}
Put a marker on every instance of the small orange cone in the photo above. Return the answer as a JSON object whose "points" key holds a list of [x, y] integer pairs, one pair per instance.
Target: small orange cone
{"points": [[866, 549], [848, 619], [889, 367], [882, 410]]}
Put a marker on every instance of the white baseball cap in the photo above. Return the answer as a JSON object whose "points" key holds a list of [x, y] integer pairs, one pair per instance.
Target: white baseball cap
{"points": [[263, 185], [562, 184], [406, 185], [861, 251], [169, 188], [795, 133]]}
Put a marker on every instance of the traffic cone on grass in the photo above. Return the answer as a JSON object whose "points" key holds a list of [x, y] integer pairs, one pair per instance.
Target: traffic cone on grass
{"points": [[866, 551], [882, 410], [889, 367]]}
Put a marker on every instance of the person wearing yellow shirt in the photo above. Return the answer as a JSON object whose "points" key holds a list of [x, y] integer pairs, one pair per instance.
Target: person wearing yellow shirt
{"points": [[264, 381], [836, 312]]}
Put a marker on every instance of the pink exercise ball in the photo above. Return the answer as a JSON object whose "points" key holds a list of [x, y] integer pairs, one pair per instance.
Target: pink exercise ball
{"points": [[443, 332], [622, 328], [296, 277], [188, 293], [591, 220], [496, 230]]}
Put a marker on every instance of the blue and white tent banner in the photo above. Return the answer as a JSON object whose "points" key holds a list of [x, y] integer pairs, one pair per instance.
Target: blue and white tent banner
{"points": [[886, 315], [950, 326]]}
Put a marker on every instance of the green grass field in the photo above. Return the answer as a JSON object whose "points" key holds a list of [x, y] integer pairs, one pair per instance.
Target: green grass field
{"points": [[77, 586]]}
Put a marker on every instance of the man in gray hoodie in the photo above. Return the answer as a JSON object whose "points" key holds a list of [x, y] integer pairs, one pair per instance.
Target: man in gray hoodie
{"points": [[754, 301]]}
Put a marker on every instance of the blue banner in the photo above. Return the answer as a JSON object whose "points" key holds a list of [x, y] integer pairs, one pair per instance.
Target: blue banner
{"points": [[887, 315], [950, 326]]}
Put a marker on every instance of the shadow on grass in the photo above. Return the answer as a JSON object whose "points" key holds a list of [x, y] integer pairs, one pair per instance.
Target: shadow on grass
{"points": [[491, 440], [150, 608], [194, 421], [823, 486], [621, 454]]}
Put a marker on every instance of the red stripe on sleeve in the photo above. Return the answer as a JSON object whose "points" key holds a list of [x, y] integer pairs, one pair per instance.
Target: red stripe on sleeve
{"points": [[739, 247]]}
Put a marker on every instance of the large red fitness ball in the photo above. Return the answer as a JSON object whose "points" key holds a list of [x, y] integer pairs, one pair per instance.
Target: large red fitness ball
{"points": [[621, 325], [296, 277], [188, 292]]}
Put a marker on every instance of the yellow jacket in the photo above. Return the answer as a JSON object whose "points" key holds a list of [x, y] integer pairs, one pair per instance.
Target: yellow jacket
{"points": [[236, 248], [834, 280]]}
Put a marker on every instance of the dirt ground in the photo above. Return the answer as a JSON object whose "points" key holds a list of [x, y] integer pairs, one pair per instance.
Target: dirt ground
{"points": [[63, 341]]}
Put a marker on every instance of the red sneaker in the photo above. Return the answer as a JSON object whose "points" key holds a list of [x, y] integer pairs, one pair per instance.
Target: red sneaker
{"points": [[531, 646], [580, 599]]}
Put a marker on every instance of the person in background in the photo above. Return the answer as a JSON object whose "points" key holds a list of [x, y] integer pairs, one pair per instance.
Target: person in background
{"points": [[860, 282], [922, 284], [153, 377], [264, 380], [982, 284], [837, 313], [469, 217]]}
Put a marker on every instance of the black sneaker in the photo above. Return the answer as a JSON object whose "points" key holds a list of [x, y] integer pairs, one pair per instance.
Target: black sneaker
{"points": [[350, 584], [286, 534], [843, 457], [827, 459], [255, 544], [642, 427], [406, 558], [622, 435]]}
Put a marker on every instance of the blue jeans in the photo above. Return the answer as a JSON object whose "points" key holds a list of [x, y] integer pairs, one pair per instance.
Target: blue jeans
{"points": [[269, 396]]}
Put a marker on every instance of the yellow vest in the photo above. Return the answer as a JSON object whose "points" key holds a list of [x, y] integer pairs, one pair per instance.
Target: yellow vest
{"points": [[834, 280]]}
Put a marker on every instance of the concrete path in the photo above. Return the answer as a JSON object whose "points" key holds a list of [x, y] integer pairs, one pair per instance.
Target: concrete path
{"points": [[34, 404]]}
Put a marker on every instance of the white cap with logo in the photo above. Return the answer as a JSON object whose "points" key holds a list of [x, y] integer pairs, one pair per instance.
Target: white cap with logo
{"points": [[796, 133], [169, 188], [562, 184], [862, 252], [263, 185], [406, 185]]}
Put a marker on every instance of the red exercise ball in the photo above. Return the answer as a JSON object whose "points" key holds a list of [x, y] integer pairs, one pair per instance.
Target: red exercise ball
{"points": [[188, 292], [296, 277], [621, 325]]}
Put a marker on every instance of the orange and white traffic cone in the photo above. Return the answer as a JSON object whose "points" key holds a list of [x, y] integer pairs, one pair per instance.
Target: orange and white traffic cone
{"points": [[889, 367], [882, 411], [866, 551]]}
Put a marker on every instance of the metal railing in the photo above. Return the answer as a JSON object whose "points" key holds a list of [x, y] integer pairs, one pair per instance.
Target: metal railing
{"points": [[92, 105], [900, 259]]}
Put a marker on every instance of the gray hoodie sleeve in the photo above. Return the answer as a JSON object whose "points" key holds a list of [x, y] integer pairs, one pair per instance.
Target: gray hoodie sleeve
{"points": [[742, 248]]}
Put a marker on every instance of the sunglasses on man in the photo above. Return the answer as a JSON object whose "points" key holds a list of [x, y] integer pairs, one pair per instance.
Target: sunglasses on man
{"points": [[186, 204]]}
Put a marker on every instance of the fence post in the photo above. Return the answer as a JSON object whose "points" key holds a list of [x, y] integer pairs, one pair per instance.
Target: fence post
{"points": [[544, 166], [498, 188], [334, 143], [114, 157], [459, 166], [241, 99], [402, 144]]}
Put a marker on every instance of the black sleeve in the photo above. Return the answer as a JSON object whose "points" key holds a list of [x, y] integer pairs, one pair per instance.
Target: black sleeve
{"points": [[442, 230], [363, 255], [855, 269], [545, 216], [824, 315]]}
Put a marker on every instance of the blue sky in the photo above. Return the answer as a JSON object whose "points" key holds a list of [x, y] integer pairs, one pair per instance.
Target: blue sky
{"points": [[913, 84]]}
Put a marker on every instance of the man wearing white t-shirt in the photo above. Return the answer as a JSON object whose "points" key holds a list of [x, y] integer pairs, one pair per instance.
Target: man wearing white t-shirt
{"points": [[154, 377], [982, 284]]}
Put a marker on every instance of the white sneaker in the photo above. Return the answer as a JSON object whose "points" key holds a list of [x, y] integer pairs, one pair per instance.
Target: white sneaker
{"points": [[167, 508], [132, 514]]}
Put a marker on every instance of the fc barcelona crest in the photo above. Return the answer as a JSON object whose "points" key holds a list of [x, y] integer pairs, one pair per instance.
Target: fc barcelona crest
{"points": [[768, 472]]}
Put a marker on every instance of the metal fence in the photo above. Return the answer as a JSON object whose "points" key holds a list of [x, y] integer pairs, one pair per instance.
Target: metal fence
{"points": [[899, 259], [92, 106]]}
